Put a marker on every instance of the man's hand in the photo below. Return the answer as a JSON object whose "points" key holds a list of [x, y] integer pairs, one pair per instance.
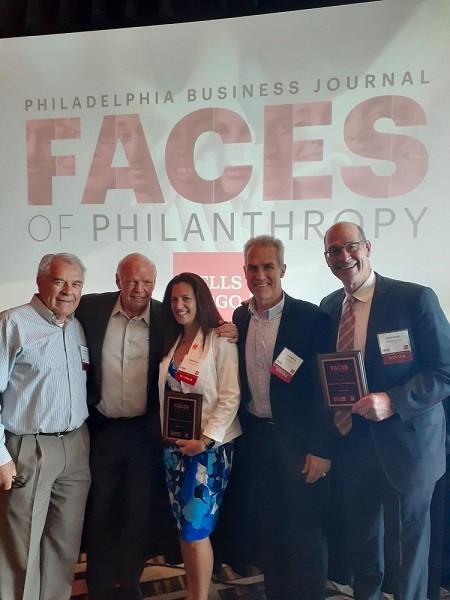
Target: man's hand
{"points": [[315, 468], [375, 407], [228, 330], [7, 472]]}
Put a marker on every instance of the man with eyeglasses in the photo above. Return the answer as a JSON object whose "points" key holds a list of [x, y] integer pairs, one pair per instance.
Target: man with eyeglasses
{"points": [[44, 443], [391, 450]]}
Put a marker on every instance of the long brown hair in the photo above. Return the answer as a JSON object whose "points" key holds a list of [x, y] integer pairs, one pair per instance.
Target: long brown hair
{"points": [[207, 317]]}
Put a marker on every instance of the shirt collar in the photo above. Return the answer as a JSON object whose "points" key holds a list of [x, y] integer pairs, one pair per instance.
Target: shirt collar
{"points": [[269, 313], [365, 292], [45, 312], [118, 308]]}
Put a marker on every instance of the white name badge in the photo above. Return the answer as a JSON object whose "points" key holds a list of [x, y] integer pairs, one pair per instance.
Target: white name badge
{"points": [[286, 364], [395, 347], [85, 362], [189, 370]]}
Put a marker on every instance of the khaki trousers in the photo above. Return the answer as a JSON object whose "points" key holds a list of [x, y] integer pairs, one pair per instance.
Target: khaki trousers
{"points": [[41, 523]]}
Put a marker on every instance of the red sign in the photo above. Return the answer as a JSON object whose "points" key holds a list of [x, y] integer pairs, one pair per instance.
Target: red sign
{"points": [[222, 271]]}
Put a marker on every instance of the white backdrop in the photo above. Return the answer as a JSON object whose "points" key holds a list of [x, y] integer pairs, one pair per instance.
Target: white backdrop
{"points": [[181, 141]]}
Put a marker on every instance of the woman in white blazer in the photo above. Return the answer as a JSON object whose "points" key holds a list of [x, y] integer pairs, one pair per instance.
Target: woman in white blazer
{"points": [[197, 360]]}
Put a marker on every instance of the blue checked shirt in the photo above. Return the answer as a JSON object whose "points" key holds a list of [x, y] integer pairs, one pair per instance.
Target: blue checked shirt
{"points": [[42, 383]]}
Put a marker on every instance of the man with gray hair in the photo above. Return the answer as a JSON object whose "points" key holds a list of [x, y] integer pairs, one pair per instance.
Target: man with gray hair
{"points": [[44, 443], [285, 446]]}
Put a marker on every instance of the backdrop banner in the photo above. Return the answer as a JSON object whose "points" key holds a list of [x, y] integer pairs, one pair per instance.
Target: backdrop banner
{"points": [[182, 141]]}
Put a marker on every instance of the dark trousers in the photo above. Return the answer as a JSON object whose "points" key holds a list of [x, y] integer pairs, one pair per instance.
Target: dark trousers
{"points": [[384, 526], [437, 514], [289, 519], [124, 459]]}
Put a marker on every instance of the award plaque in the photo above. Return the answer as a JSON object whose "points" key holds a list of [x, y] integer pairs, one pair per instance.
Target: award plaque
{"points": [[182, 416], [343, 378]]}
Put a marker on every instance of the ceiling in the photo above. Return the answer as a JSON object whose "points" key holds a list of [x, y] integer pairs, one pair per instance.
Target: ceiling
{"points": [[39, 17]]}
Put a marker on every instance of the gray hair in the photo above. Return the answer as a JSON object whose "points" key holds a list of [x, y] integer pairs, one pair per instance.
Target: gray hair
{"points": [[70, 259], [266, 240]]}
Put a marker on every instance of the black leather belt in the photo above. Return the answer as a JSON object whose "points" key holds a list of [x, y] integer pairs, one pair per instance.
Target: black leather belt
{"points": [[57, 433]]}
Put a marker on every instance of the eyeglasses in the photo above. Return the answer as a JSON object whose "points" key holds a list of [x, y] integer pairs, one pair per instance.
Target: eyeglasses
{"points": [[18, 482], [349, 248]]}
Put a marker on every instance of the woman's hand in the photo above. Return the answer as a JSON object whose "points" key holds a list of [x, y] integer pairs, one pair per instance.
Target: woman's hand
{"points": [[191, 447]]}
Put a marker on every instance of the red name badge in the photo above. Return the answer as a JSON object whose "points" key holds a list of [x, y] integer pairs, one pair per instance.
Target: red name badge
{"points": [[189, 370], [285, 365], [397, 357], [281, 373], [189, 378], [395, 347]]}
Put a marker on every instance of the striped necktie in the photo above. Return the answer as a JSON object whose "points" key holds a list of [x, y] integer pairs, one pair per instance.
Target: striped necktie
{"points": [[346, 334]]}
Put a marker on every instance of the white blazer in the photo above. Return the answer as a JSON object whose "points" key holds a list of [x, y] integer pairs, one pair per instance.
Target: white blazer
{"points": [[218, 382]]}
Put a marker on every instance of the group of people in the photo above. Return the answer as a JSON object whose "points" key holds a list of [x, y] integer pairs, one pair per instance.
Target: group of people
{"points": [[119, 354]]}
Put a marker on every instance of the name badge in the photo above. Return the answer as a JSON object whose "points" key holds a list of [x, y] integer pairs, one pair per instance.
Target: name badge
{"points": [[85, 362], [286, 364], [189, 369], [395, 347]]}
